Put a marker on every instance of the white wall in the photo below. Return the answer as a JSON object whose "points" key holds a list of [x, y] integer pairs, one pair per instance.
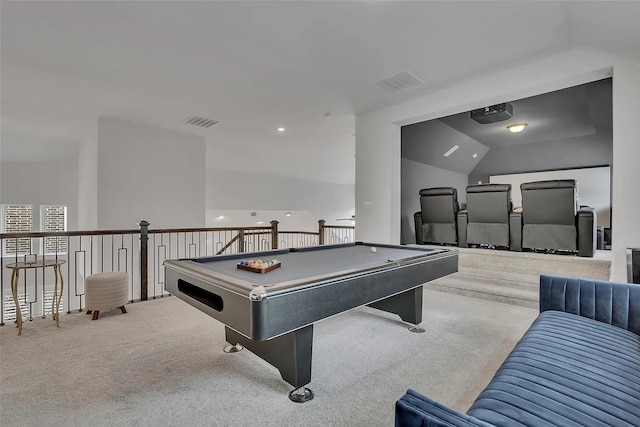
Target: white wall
{"points": [[88, 184], [416, 176], [377, 178], [625, 196], [149, 173], [378, 138], [52, 182], [235, 195], [1, 137]]}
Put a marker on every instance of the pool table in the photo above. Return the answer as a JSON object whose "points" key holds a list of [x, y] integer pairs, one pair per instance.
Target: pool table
{"points": [[272, 314]]}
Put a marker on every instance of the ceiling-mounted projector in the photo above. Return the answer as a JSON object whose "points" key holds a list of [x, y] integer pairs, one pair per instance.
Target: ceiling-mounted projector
{"points": [[493, 113]]}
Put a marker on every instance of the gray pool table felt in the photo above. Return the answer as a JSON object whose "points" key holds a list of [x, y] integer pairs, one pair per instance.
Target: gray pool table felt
{"points": [[311, 263]]}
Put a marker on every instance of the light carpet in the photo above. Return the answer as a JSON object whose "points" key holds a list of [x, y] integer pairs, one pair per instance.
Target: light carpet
{"points": [[162, 365], [512, 277]]}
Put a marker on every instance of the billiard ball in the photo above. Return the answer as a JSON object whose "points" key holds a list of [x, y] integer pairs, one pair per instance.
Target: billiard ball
{"points": [[373, 249]]}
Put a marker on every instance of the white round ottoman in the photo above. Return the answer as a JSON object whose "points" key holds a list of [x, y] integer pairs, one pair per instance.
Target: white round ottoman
{"points": [[104, 291]]}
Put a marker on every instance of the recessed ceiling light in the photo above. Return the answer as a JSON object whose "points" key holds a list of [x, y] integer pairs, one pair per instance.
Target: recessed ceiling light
{"points": [[451, 150], [517, 127], [260, 222], [281, 129], [287, 214], [221, 217], [475, 156]]}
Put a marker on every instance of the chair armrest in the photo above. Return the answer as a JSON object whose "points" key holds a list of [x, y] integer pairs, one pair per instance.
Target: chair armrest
{"points": [[587, 231], [515, 230], [462, 220], [416, 410], [614, 303], [417, 219]]}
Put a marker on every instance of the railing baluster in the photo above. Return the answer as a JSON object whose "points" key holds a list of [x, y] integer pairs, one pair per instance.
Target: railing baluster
{"points": [[133, 273], [144, 240]]}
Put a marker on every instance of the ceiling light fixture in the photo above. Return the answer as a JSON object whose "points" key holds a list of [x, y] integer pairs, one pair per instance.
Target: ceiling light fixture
{"points": [[287, 214], [517, 127], [451, 150], [221, 217], [474, 156], [281, 129]]}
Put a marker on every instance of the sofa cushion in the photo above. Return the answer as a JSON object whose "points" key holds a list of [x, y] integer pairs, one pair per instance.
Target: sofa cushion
{"points": [[567, 370], [488, 233], [550, 236], [439, 233]]}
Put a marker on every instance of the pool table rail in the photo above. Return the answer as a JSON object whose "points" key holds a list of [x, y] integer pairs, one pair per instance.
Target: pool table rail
{"points": [[265, 312]]}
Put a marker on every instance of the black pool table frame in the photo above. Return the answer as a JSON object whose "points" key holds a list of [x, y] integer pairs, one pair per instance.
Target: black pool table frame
{"points": [[275, 321]]}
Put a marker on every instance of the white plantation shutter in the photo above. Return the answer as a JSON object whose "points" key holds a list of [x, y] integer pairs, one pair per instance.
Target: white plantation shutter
{"points": [[54, 218], [16, 219]]}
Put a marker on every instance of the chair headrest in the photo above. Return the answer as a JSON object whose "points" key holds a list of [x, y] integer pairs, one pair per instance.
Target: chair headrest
{"points": [[555, 183], [488, 188], [439, 191]]}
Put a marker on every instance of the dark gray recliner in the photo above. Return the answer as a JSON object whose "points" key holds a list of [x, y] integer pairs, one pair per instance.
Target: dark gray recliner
{"points": [[485, 222], [436, 221], [552, 219]]}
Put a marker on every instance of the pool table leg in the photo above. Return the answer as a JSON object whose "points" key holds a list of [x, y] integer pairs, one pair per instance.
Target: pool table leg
{"points": [[407, 305], [290, 353]]}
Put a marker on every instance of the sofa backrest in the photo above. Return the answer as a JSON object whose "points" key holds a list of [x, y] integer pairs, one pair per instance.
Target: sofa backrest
{"points": [[617, 304], [489, 203], [550, 202], [439, 205]]}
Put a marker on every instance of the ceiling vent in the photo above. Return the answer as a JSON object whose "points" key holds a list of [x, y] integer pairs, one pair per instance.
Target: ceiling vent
{"points": [[202, 122], [401, 81]]}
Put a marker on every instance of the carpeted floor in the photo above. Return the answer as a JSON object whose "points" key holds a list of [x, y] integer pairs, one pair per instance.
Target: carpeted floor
{"points": [[162, 365], [512, 277]]}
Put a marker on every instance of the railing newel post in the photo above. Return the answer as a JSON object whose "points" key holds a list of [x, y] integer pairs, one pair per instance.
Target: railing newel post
{"points": [[144, 254], [274, 234], [241, 240], [321, 231]]}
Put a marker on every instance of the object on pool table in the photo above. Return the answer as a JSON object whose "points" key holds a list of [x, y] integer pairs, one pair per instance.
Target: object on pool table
{"points": [[373, 249], [259, 266]]}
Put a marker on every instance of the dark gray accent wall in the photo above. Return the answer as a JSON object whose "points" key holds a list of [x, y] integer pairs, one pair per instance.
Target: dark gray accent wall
{"points": [[568, 129], [584, 151], [416, 176], [427, 142]]}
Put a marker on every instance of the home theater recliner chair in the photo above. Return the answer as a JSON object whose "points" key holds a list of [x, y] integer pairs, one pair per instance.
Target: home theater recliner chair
{"points": [[552, 220], [485, 222], [435, 223]]}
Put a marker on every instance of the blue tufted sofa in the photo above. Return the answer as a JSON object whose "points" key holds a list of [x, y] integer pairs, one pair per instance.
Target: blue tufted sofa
{"points": [[577, 365]]}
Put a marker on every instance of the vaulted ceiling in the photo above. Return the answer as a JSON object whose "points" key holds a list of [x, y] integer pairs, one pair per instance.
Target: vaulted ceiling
{"points": [[308, 66], [583, 111]]}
